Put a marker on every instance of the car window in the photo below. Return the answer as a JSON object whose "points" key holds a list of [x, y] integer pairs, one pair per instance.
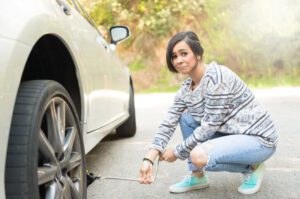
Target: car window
{"points": [[84, 13], [70, 2]]}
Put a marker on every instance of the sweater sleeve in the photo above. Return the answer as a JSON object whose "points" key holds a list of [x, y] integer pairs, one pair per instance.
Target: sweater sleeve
{"points": [[168, 126], [217, 99]]}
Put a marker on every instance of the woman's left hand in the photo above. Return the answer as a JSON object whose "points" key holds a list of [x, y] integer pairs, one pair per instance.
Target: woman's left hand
{"points": [[168, 156]]}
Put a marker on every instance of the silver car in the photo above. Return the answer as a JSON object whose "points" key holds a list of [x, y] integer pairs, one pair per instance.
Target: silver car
{"points": [[62, 89]]}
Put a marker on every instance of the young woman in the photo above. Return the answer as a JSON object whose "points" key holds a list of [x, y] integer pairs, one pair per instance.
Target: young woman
{"points": [[223, 126]]}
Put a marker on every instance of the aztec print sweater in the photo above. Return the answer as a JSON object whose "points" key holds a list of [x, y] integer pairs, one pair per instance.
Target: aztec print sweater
{"points": [[221, 103]]}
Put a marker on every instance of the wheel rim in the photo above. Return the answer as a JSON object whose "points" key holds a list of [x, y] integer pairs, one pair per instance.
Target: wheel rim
{"points": [[60, 157]]}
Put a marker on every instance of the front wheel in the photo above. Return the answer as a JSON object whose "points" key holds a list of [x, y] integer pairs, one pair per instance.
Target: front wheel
{"points": [[45, 157], [128, 128]]}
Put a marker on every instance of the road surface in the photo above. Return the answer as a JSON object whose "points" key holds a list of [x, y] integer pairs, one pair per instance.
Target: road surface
{"points": [[122, 157]]}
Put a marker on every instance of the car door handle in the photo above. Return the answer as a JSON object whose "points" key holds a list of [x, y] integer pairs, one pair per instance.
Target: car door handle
{"points": [[64, 6]]}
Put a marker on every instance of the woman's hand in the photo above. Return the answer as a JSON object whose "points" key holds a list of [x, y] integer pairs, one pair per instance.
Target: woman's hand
{"points": [[168, 156], [146, 173], [147, 167]]}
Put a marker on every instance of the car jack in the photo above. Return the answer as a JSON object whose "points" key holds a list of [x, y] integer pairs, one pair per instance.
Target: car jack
{"points": [[92, 177]]}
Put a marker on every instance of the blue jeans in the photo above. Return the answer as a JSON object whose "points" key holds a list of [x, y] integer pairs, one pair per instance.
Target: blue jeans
{"points": [[232, 153]]}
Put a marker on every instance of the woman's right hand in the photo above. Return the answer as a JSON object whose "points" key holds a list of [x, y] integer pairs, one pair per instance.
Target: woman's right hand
{"points": [[146, 173]]}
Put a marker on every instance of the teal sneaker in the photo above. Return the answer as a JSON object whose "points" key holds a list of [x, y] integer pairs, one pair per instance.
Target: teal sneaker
{"points": [[252, 182], [189, 183]]}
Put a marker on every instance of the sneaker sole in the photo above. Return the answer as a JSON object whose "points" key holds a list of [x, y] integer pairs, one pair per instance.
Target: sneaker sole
{"points": [[182, 190]]}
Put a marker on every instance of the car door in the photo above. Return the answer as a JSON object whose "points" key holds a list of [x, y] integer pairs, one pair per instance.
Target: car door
{"points": [[105, 89]]}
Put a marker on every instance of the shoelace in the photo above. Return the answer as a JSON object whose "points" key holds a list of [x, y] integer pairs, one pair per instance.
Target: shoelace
{"points": [[246, 178], [127, 179]]}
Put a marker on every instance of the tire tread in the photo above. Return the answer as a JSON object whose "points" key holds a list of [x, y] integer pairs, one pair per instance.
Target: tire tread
{"points": [[16, 174], [19, 159]]}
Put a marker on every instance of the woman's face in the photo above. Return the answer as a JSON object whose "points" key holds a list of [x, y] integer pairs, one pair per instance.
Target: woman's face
{"points": [[183, 58]]}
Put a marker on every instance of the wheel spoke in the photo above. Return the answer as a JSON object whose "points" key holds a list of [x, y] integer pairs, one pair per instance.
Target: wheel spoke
{"points": [[66, 187], [54, 191], [69, 141], [74, 190], [53, 128], [75, 161], [46, 174], [46, 149], [61, 120]]}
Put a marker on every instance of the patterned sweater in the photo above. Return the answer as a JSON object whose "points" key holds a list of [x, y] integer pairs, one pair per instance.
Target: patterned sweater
{"points": [[221, 103]]}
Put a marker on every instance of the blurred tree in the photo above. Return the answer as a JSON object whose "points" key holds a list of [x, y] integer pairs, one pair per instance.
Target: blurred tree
{"points": [[257, 39]]}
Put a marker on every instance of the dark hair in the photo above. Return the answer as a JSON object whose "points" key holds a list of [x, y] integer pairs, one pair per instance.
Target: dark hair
{"points": [[191, 39]]}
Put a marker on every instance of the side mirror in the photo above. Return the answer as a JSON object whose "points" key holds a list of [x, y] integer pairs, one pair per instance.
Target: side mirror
{"points": [[118, 34]]}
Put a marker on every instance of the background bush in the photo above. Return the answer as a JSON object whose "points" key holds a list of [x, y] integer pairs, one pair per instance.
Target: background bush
{"points": [[259, 40]]}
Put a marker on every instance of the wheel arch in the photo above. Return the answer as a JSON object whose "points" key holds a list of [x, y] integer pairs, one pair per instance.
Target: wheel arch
{"points": [[50, 59]]}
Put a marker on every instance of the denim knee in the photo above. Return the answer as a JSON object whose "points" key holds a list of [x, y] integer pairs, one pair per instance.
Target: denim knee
{"points": [[186, 119], [187, 124], [183, 118]]}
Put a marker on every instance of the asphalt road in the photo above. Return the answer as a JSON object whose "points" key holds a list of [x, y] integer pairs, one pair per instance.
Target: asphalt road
{"points": [[122, 157]]}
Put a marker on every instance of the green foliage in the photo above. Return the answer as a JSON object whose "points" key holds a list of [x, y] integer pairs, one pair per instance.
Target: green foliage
{"points": [[165, 89], [237, 40], [233, 32], [270, 81], [155, 17], [164, 77], [137, 64], [161, 17], [101, 13]]}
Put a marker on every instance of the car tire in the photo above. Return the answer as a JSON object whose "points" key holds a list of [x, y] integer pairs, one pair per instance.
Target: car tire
{"points": [[128, 128], [45, 155]]}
